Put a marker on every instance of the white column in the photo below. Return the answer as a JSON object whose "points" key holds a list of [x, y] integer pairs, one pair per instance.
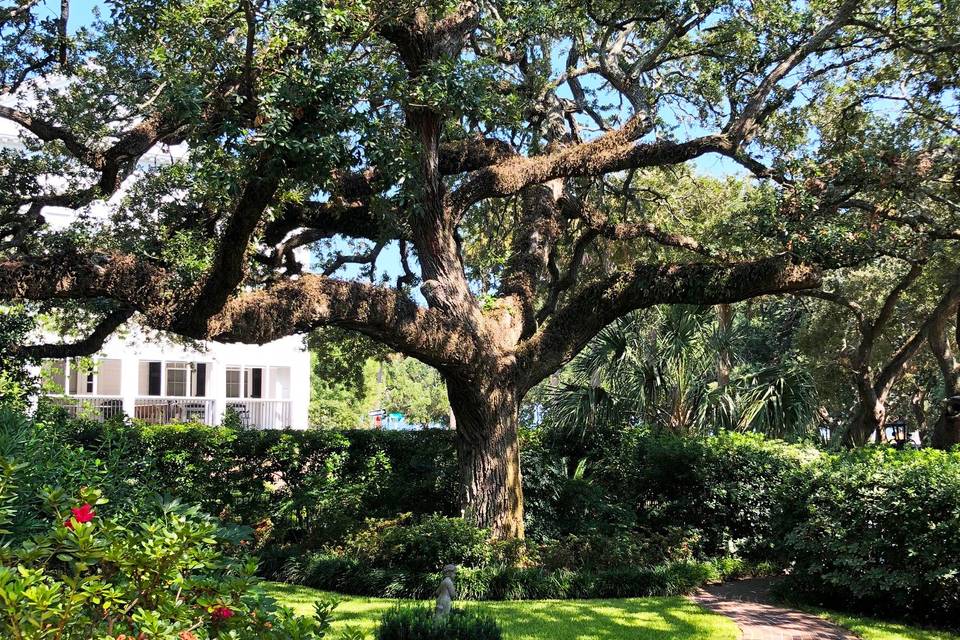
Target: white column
{"points": [[300, 390], [129, 383], [217, 390], [163, 378]]}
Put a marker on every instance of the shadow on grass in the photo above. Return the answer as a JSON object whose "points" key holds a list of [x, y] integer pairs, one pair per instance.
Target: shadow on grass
{"points": [[635, 618]]}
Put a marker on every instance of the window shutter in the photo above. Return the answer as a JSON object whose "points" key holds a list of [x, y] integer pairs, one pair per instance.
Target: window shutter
{"points": [[201, 379], [153, 380], [256, 383]]}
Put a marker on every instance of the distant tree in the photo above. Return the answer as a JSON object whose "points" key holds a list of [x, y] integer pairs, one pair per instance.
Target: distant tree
{"points": [[411, 388], [891, 309]]}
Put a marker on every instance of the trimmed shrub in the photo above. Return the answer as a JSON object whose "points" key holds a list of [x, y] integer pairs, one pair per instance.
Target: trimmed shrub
{"points": [[423, 544], [419, 623], [722, 489], [877, 530], [303, 488]]}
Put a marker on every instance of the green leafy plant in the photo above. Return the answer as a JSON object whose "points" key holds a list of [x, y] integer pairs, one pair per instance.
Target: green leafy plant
{"points": [[878, 531], [422, 544], [418, 623], [69, 570]]}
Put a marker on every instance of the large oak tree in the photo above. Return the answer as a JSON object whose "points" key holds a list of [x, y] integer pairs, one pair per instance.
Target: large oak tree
{"points": [[501, 148]]}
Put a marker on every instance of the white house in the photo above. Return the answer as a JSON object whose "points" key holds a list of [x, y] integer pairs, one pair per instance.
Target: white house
{"points": [[154, 378]]}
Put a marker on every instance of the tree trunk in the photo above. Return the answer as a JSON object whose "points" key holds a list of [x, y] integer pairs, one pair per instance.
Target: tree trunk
{"points": [[946, 430], [870, 416], [489, 457], [724, 359]]}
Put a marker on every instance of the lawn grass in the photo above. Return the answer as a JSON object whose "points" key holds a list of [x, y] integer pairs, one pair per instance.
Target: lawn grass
{"points": [[869, 629], [634, 618]]}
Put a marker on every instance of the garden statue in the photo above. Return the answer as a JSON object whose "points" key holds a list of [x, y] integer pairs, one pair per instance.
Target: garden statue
{"points": [[447, 593]]}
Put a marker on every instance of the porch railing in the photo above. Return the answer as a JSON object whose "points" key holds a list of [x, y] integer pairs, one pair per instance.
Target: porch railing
{"points": [[168, 410], [252, 412], [261, 414], [93, 407]]}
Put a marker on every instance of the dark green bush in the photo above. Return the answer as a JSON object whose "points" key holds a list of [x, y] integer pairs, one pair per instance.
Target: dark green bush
{"points": [[598, 551], [302, 488], [419, 623], [877, 530], [723, 489], [426, 543]]}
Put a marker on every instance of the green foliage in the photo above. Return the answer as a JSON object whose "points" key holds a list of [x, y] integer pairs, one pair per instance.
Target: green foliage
{"points": [[352, 375], [419, 623], [504, 582], [339, 356], [724, 489], [69, 571], [878, 531], [661, 368], [407, 386], [425, 544], [15, 382], [598, 551], [303, 488]]}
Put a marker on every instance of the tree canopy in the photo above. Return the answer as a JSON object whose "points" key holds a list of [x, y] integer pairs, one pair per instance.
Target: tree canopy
{"points": [[540, 168]]}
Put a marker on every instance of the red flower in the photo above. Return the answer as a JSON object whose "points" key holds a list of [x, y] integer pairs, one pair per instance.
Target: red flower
{"points": [[221, 613], [80, 514]]}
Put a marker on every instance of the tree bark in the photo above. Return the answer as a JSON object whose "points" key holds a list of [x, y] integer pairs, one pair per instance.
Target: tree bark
{"points": [[946, 431], [870, 416], [724, 359], [489, 456]]}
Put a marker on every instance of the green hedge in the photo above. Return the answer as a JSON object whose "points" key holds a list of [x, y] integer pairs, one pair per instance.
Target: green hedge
{"points": [[314, 488], [351, 576], [307, 488], [723, 489], [877, 530]]}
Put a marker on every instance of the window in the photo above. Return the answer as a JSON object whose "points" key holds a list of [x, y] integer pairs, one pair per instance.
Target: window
{"points": [[178, 377], [255, 388], [234, 389], [245, 383], [153, 378], [90, 382]]}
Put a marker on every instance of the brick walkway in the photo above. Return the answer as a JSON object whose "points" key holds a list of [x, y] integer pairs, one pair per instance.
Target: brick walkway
{"points": [[747, 602]]}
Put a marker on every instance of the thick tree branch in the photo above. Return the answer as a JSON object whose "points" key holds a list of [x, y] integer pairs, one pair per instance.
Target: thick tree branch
{"points": [[85, 347], [135, 284], [296, 306], [615, 151], [645, 285]]}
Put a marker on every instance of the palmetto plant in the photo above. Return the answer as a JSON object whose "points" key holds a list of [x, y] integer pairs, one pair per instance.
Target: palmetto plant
{"points": [[661, 367]]}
